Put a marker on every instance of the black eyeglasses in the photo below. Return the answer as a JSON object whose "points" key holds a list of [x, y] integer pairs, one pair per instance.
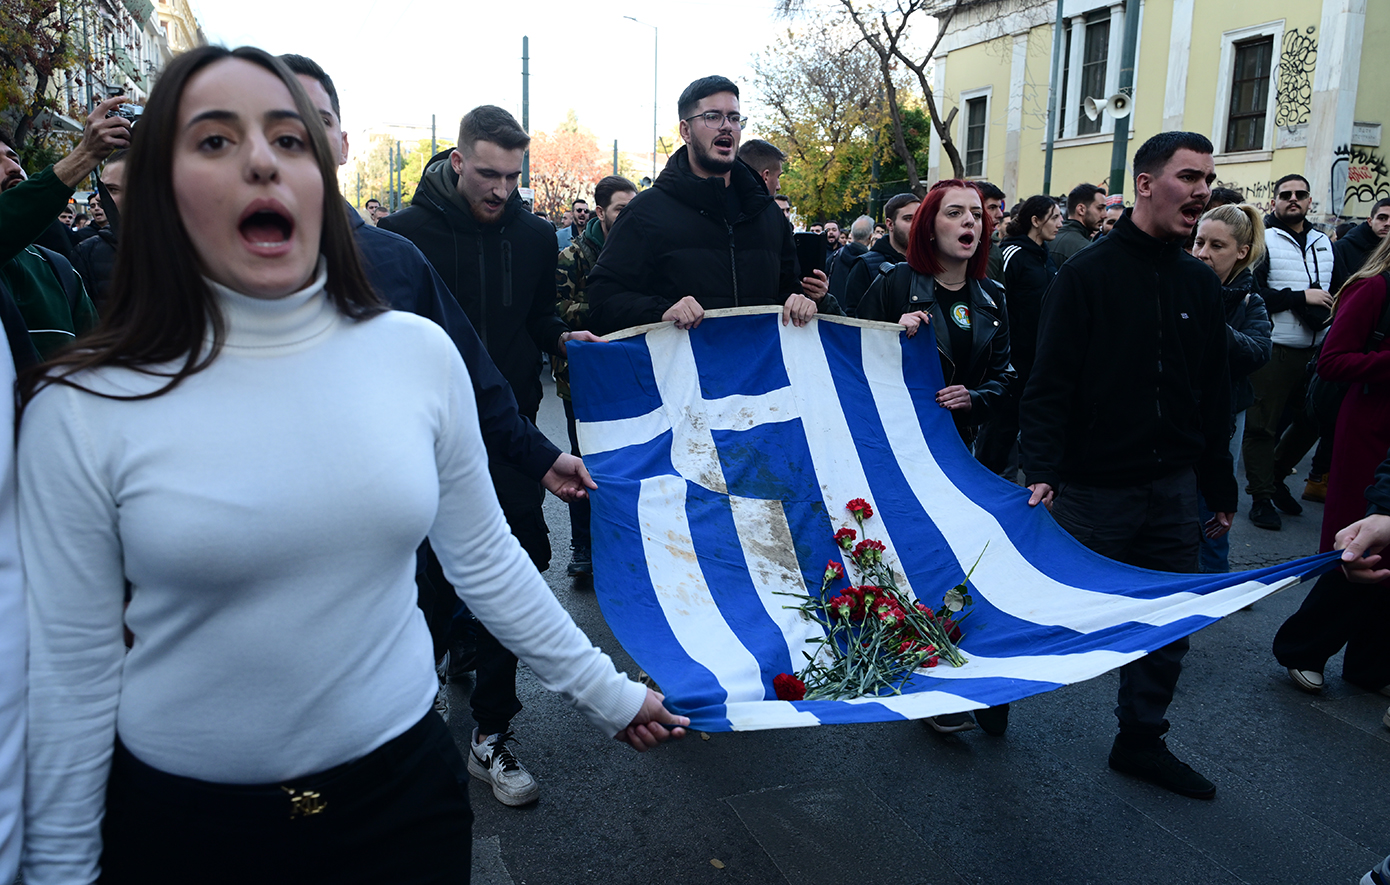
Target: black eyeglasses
{"points": [[1290, 196], [715, 119]]}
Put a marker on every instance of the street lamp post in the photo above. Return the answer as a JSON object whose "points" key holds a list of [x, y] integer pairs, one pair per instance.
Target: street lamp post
{"points": [[656, 47]]}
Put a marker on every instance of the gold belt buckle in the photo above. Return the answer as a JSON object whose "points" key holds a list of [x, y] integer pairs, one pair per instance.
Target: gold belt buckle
{"points": [[304, 803]]}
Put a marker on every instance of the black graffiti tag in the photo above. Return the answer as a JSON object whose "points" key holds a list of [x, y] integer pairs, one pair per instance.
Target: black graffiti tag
{"points": [[1293, 98]]}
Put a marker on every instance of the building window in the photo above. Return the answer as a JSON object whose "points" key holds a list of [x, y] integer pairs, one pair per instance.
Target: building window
{"points": [[976, 120], [1093, 64], [1245, 125]]}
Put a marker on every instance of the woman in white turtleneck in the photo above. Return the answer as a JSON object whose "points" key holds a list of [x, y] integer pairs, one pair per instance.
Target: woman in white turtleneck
{"points": [[255, 447]]}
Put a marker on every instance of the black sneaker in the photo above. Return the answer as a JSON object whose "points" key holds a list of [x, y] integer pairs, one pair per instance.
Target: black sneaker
{"points": [[1263, 514], [581, 562], [993, 720], [1160, 767], [1285, 501]]}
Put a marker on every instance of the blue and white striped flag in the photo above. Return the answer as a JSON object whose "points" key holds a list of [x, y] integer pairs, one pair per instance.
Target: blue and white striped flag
{"points": [[724, 458]]}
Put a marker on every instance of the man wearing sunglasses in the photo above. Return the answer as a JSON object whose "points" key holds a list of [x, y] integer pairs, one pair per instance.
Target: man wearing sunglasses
{"points": [[706, 235], [1294, 281]]}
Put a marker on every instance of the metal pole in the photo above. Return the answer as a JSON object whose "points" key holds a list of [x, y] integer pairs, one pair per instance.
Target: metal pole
{"points": [[359, 190], [656, 57], [526, 107], [1117, 153], [1054, 86], [615, 156], [433, 149]]}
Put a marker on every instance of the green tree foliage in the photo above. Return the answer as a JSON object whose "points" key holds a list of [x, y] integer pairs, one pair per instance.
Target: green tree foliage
{"points": [[823, 105]]}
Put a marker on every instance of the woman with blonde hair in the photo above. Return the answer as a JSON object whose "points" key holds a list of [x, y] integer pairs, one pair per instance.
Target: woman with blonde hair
{"points": [[1337, 612], [1230, 240]]}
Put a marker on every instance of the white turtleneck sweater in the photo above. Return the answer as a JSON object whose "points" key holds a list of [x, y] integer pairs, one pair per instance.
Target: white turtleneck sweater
{"points": [[266, 513]]}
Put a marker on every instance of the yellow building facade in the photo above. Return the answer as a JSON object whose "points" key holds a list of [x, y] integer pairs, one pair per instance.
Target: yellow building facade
{"points": [[1279, 86]]}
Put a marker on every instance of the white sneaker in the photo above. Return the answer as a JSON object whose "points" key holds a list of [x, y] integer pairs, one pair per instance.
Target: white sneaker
{"points": [[1308, 680], [492, 762]]}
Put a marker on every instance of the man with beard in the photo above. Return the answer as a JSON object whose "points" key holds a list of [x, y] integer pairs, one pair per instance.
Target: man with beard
{"points": [[1127, 411], [1085, 211], [706, 235], [399, 271], [95, 257], [1294, 281], [889, 249]]}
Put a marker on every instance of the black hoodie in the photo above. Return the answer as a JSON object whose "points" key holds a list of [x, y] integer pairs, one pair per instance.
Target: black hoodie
{"points": [[1351, 251], [1028, 270], [503, 275], [1131, 381], [675, 239], [864, 271]]}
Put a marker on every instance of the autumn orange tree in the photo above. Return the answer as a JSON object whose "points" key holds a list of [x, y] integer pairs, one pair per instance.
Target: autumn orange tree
{"points": [[565, 165]]}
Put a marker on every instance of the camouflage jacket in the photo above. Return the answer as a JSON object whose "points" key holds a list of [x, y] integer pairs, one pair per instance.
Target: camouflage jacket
{"points": [[571, 284]]}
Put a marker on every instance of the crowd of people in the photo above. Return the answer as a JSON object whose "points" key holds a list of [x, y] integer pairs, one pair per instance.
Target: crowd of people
{"points": [[277, 480]]}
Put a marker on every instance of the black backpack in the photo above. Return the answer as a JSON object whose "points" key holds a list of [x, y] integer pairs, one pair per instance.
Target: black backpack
{"points": [[1324, 398]]}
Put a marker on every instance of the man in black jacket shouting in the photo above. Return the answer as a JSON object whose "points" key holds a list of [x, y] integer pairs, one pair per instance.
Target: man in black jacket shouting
{"points": [[498, 260], [706, 235], [1127, 412]]}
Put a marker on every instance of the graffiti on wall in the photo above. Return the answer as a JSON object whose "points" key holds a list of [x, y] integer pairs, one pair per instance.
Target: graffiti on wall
{"points": [[1360, 177], [1293, 97], [1259, 194]]}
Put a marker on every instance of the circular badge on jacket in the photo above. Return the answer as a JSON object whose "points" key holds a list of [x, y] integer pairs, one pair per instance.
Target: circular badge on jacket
{"points": [[960, 314]]}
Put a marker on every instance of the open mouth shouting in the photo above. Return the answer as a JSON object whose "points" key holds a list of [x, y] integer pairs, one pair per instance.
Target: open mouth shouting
{"points": [[967, 239], [1192, 213], [266, 228], [724, 143]]}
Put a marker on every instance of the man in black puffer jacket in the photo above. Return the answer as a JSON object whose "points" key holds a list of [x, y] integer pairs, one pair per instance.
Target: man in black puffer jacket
{"points": [[707, 235], [1352, 250], [1127, 415]]}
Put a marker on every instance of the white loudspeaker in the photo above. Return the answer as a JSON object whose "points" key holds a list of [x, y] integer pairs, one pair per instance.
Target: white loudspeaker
{"points": [[1117, 106]]}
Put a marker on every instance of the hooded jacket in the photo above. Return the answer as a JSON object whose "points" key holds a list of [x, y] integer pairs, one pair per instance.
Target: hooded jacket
{"points": [[1352, 250], [1131, 381], [865, 270], [502, 275], [1247, 337], [984, 371], [675, 239], [1027, 271], [95, 260], [1294, 262], [1072, 238], [840, 265]]}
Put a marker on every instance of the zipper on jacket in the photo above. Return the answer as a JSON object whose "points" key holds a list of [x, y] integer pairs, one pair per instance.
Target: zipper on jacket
{"points": [[733, 263]]}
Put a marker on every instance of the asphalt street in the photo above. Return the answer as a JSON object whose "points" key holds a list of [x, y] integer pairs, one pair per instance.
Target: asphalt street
{"points": [[1301, 779]]}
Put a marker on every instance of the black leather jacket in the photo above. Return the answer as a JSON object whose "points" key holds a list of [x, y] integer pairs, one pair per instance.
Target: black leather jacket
{"points": [[986, 371]]}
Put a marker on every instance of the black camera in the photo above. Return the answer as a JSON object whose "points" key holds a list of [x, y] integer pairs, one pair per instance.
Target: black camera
{"points": [[131, 112]]}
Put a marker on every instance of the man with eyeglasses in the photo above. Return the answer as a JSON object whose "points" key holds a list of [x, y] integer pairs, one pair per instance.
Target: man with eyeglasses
{"points": [[706, 235], [1293, 280]]}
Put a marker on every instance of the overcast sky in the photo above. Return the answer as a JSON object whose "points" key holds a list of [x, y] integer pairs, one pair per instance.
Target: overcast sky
{"points": [[398, 61]]}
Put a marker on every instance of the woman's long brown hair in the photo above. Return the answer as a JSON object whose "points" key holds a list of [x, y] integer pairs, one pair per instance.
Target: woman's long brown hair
{"points": [[160, 308]]}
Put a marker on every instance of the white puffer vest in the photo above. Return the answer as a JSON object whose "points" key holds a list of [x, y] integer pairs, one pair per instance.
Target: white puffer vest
{"points": [[1298, 269]]}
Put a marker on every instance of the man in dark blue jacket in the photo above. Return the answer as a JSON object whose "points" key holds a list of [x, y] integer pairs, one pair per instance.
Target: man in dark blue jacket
{"points": [[401, 274]]}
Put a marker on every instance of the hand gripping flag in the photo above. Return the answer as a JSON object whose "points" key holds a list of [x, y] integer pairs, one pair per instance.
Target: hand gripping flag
{"points": [[724, 457]]}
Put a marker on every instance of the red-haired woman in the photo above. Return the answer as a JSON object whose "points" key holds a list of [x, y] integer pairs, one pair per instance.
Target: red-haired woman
{"points": [[943, 283]]}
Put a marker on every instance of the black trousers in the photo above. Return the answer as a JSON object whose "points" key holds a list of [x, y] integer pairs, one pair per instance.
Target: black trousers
{"points": [[1152, 526], [997, 445], [1335, 613], [579, 510], [400, 814]]}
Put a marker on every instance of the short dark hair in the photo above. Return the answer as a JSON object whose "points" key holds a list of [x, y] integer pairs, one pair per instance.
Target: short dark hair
{"points": [[1292, 176], [370, 201], [1081, 195], [117, 156], [1381, 204], [782, 198], [896, 203], [490, 123], [1225, 196], [761, 155], [302, 64], [610, 185], [703, 88], [1346, 227], [1155, 153], [577, 200], [989, 191]]}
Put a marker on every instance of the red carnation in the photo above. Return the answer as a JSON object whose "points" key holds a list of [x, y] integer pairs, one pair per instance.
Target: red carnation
{"points": [[952, 630], [788, 687], [833, 571], [868, 551], [860, 509], [845, 538], [842, 605]]}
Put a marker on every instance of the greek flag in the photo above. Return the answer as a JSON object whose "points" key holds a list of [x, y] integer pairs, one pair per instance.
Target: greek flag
{"points": [[725, 456]]}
